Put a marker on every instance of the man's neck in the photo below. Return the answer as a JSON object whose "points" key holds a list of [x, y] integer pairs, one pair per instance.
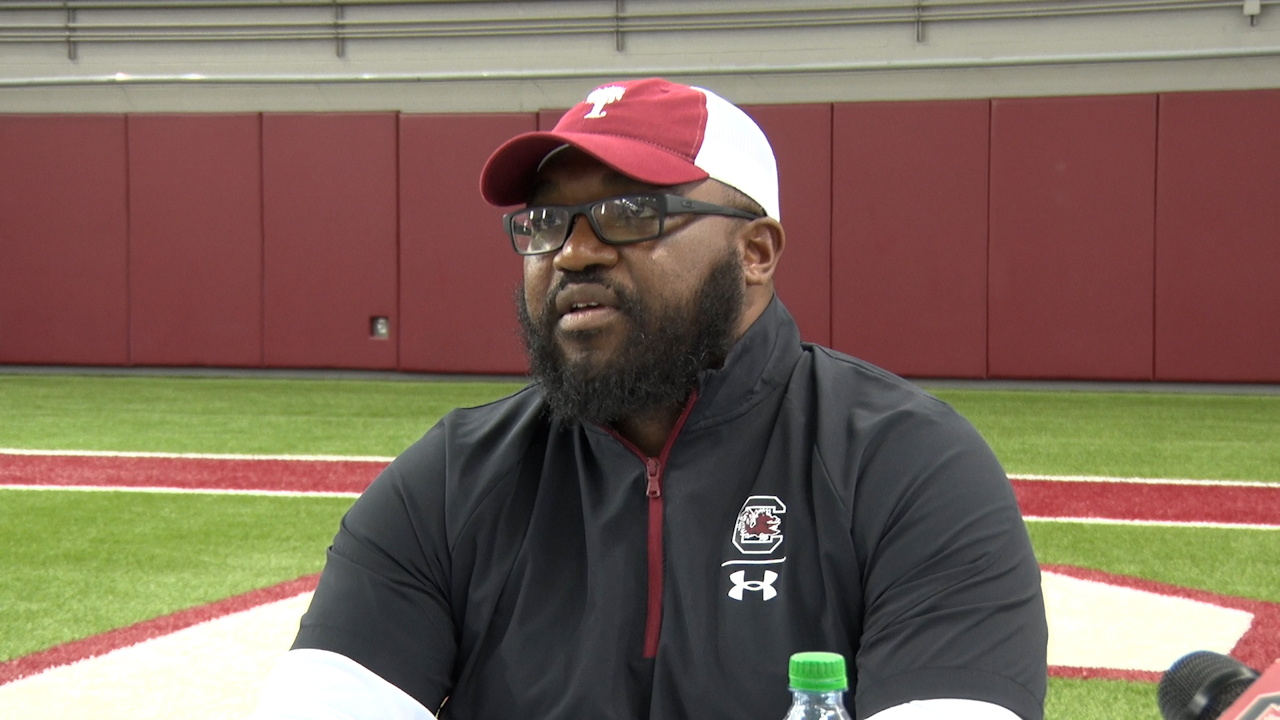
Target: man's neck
{"points": [[650, 429]]}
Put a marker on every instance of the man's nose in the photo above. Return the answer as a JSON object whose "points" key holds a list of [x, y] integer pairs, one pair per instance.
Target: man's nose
{"points": [[583, 249]]}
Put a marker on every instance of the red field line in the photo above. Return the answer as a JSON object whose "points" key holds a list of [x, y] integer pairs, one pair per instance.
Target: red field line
{"points": [[1143, 501], [104, 643], [1118, 500], [1150, 501], [345, 476]]}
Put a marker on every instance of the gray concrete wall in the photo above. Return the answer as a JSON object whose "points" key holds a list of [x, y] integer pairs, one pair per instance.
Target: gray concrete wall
{"points": [[849, 51]]}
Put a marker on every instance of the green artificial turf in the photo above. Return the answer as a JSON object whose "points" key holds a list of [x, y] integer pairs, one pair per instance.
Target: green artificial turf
{"points": [[1228, 561], [80, 563], [222, 415], [1061, 433], [1224, 437], [1100, 700]]}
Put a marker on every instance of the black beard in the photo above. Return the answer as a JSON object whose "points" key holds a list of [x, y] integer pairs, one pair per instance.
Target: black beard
{"points": [[657, 364]]}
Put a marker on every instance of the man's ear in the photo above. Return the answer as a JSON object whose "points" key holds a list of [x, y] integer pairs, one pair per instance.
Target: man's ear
{"points": [[762, 241]]}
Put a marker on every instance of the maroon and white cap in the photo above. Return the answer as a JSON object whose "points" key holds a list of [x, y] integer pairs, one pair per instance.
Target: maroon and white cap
{"points": [[653, 130]]}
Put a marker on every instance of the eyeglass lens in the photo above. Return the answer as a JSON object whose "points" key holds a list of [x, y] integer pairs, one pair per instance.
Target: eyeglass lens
{"points": [[622, 219]]}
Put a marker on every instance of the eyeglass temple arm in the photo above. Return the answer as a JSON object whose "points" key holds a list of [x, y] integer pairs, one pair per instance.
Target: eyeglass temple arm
{"points": [[681, 204]]}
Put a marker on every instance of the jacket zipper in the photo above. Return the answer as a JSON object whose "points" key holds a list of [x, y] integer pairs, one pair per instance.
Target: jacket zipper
{"points": [[654, 468], [653, 614]]}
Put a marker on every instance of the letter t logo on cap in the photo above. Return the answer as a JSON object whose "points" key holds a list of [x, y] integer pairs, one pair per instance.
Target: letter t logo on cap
{"points": [[602, 96]]}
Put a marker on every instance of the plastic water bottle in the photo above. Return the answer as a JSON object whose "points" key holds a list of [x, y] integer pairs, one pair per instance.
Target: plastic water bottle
{"points": [[818, 683]]}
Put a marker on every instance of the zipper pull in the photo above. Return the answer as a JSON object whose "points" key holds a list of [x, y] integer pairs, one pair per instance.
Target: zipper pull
{"points": [[654, 470]]}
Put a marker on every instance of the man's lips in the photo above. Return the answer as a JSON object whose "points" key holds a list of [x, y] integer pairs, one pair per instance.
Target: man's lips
{"points": [[585, 306], [579, 297]]}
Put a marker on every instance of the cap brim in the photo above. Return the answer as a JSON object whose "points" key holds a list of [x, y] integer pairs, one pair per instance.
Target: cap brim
{"points": [[507, 178]]}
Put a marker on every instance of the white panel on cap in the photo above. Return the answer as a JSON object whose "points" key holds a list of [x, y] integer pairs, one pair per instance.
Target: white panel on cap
{"points": [[736, 152]]}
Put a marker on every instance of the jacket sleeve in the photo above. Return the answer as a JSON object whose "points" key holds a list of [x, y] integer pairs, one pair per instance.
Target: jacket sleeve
{"points": [[953, 606], [383, 598]]}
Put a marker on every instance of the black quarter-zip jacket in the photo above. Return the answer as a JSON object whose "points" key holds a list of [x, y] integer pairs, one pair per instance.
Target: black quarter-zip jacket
{"points": [[525, 568]]}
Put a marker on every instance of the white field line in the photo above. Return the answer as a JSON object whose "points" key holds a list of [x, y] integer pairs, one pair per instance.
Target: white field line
{"points": [[198, 456], [1151, 523], [182, 491], [1141, 481]]}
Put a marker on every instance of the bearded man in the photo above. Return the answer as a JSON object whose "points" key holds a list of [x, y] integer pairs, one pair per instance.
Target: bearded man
{"points": [[686, 494]]}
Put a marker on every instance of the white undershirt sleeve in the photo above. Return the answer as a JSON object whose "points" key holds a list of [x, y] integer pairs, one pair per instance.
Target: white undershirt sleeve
{"points": [[945, 709], [322, 685]]}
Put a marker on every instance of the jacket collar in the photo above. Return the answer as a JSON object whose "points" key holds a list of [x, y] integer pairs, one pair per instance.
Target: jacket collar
{"points": [[759, 363]]}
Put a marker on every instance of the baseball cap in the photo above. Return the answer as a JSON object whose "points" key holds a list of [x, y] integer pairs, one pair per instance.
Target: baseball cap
{"points": [[652, 130]]}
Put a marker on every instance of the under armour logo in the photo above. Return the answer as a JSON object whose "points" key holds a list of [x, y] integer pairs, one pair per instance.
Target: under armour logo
{"points": [[741, 585], [602, 96]]}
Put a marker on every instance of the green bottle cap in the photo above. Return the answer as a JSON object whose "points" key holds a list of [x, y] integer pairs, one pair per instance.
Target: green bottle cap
{"points": [[818, 672]]}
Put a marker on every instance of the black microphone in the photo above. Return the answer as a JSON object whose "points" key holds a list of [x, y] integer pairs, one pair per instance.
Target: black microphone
{"points": [[1201, 685]]}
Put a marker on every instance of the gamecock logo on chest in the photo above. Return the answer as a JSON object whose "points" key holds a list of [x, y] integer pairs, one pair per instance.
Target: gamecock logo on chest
{"points": [[758, 530]]}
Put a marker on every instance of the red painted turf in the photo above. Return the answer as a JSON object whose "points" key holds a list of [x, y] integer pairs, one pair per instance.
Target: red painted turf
{"points": [[1161, 502], [347, 476]]}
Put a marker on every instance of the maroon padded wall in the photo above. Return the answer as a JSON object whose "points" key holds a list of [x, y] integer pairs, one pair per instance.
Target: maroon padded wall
{"points": [[195, 239], [1072, 237], [1218, 237], [547, 119], [909, 239], [801, 140], [329, 241], [237, 241], [63, 240], [458, 270]]}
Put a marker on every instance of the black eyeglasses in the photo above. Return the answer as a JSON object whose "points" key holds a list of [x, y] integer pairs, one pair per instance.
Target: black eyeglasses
{"points": [[616, 220]]}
